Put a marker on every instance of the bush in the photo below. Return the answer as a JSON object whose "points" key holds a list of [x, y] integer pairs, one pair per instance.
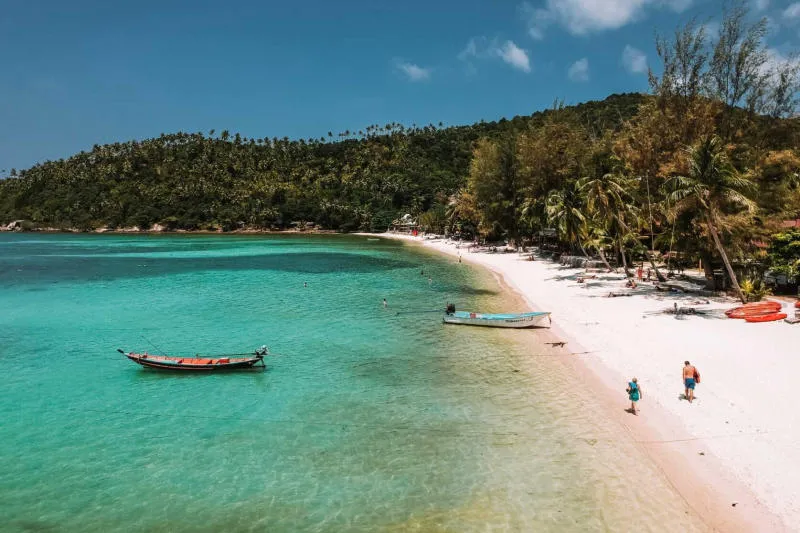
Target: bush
{"points": [[754, 289], [784, 253]]}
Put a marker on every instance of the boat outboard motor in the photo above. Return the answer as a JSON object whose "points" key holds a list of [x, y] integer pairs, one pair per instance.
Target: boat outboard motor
{"points": [[262, 351], [451, 309]]}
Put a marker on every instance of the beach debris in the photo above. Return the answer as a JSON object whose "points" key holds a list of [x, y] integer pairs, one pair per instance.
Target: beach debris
{"points": [[734, 504], [669, 288], [792, 320], [685, 310], [616, 294], [558, 344]]}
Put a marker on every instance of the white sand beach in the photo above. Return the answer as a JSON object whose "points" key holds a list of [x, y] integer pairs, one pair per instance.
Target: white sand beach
{"points": [[734, 453]]}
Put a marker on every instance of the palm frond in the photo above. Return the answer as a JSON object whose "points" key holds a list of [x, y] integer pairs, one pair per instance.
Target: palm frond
{"points": [[737, 198]]}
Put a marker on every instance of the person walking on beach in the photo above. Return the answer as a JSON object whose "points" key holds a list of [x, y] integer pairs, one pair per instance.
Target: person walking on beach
{"points": [[634, 394], [691, 377]]}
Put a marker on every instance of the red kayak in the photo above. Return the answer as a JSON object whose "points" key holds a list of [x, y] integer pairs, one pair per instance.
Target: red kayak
{"points": [[766, 318], [754, 309], [198, 362]]}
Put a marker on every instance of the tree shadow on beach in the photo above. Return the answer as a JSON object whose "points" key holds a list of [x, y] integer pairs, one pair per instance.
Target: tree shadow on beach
{"points": [[711, 314], [685, 292]]}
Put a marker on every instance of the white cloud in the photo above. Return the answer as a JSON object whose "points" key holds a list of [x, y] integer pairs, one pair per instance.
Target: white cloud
{"points": [[579, 70], [634, 60], [792, 12], [581, 17], [515, 56], [537, 19], [471, 50], [761, 5], [482, 48], [773, 26], [776, 63], [712, 28], [414, 72]]}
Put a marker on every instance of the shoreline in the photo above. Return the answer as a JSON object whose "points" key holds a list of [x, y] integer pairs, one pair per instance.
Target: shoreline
{"points": [[719, 495]]}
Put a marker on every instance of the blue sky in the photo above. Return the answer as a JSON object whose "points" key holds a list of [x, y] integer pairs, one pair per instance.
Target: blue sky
{"points": [[77, 73]]}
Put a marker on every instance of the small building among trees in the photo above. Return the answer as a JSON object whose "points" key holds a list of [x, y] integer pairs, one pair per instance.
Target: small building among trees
{"points": [[405, 224]]}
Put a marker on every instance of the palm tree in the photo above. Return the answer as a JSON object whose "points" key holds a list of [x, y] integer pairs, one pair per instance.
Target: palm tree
{"points": [[564, 212], [597, 239], [461, 209], [531, 215], [712, 184], [607, 200]]}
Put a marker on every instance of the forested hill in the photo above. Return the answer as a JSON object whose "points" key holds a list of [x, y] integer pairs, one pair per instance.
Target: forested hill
{"points": [[348, 181]]}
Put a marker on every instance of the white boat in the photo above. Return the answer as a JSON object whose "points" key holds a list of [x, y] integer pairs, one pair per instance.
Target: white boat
{"points": [[509, 320]]}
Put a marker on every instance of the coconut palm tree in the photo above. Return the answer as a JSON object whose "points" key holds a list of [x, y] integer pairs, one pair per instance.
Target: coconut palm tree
{"points": [[608, 201], [531, 215], [564, 212], [712, 185], [461, 209], [597, 239]]}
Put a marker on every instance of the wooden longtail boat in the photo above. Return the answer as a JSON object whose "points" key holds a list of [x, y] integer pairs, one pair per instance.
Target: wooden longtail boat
{"points": [[199, 363], [510, 320]]}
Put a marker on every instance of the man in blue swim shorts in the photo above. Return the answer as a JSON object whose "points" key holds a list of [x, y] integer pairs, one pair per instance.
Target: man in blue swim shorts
{"points": [[690, 378]]}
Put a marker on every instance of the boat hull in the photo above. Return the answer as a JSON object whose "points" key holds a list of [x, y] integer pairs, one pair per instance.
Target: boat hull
{"points": [[160, 362], [520, 321]]}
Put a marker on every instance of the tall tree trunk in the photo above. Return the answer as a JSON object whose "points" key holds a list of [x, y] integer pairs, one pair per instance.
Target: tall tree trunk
{"points": [[603, 258], [624, 260], [659, 275], [708, 269], [713, 230]]}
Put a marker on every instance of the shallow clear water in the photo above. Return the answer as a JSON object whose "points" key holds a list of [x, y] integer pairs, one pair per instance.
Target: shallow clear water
{"points": [[365, 421]]}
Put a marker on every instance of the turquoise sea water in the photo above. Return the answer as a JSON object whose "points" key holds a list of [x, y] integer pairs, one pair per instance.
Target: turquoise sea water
{"points": [[365, 421]]}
